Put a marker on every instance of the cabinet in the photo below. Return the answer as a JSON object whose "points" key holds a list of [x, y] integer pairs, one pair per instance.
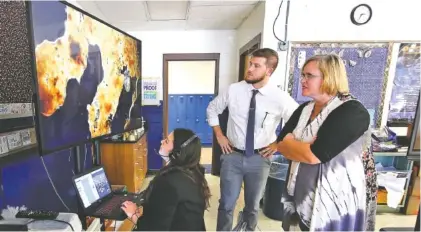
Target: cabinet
{"points": [[126, 162]]}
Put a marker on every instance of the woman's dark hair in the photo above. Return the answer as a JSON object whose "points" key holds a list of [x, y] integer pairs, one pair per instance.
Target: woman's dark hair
{"points": [[185, 157]]}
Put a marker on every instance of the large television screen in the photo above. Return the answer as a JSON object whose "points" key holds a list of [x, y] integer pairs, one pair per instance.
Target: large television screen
{"points": [[87, 76]]}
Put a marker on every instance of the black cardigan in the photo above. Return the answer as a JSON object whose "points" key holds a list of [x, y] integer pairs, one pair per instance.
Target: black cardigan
{"points": [[176, 203]]}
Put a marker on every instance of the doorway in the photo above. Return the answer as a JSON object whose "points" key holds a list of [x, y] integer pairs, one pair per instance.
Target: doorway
{"points": [[190, 83], [245, 53]]}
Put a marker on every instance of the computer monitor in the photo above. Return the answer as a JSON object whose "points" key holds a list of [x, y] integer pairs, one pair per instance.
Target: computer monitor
{"points": [[92, 186], [414, 144], [87, 76]]}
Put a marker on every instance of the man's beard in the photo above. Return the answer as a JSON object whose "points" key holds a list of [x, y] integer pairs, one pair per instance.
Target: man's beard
{"points": [[255, 81]]}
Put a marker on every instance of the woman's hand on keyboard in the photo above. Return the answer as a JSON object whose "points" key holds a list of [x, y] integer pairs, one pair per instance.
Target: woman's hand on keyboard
{"points": [[129, 208]]}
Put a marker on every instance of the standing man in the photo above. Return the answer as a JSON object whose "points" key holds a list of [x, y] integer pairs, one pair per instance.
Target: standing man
{"points": [[255, 110]]}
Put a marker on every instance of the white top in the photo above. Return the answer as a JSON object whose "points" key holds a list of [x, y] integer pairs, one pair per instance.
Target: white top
{"points": [[272, 105]]}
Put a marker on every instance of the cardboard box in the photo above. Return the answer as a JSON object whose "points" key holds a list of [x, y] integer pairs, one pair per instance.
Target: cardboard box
{"points": [[382, 196], [413, 205]]}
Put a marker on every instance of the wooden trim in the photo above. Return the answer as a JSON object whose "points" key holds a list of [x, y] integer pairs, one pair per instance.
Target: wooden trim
{"points": [[246, 50], [184, 57]]}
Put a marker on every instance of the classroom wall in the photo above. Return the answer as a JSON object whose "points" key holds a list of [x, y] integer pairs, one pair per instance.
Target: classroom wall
{"points": [[157, 43], [309, 22], [252, 26]]}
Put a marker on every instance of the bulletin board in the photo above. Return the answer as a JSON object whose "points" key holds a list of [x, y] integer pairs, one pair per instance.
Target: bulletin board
{"points": [[367, 66], [406, 84], [16, 83]]}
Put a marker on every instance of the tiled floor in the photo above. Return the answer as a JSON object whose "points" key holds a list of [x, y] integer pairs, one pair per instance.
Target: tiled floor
{"points": [[206, 155], [385, 217], [206, 159]]}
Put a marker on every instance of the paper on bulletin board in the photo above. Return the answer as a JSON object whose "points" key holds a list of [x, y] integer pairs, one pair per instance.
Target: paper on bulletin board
{"points": [[150, 90], [3, 145]]}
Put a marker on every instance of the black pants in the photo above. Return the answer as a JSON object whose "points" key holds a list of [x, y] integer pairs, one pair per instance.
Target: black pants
{"points": [[293, 219]]}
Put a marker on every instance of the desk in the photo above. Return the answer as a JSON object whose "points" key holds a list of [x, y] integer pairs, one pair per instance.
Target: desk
{"points": [[50, 225]]}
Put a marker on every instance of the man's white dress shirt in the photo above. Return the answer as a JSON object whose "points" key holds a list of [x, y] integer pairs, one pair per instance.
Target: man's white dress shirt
{"points": [[272, 105]]}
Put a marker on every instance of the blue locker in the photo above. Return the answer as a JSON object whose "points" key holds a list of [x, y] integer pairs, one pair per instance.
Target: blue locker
{"points": [[172, 112], [191, 111], [199, 117], [176, 112], [207, 129], [181, 112]]}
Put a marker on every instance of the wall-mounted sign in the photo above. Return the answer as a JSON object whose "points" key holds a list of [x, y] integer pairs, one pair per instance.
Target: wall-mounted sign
{"points": [[150, 90]]}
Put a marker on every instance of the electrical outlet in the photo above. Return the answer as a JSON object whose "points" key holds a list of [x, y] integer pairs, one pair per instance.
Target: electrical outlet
{"points": [[283, 46]]}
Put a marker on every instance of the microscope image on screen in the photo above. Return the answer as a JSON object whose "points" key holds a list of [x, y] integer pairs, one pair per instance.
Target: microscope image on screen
{"points": [[101, 183], [88, 76]]}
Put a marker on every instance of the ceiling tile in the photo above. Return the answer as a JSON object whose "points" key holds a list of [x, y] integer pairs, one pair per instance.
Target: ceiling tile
{"points": [[152, 26], [212, 24], [218, 12], [167, 10], [123, 11], [170, 15], [92, 8], [222, 3]]}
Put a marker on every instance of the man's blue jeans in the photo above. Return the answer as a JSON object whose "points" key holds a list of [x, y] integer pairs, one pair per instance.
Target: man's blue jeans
{"points": [[236, 168]]}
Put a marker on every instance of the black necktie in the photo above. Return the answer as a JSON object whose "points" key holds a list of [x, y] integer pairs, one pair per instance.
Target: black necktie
{"points": [[250, 125]]}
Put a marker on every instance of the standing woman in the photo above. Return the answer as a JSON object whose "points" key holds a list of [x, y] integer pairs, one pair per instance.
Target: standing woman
{"points": [[326, 139]]}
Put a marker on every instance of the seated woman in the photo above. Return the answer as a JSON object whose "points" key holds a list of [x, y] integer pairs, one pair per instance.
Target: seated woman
{"points": [[176, 199], [331, 183]]}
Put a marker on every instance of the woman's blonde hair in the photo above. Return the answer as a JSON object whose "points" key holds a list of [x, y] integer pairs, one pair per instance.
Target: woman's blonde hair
{"points": [[333, 70]]}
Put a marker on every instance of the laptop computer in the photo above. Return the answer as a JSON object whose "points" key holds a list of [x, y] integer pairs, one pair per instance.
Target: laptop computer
{"points": [[97, 198]]}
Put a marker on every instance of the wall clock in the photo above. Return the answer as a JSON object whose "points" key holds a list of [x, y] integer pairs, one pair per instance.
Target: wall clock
{"points": [[361, 14]]}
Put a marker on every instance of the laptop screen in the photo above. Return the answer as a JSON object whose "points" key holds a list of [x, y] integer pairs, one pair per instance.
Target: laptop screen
{"points": [[92, 186]]}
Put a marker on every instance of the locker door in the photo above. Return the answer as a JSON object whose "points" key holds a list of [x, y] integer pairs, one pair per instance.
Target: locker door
{"points": [[191, 113], [172, 112], [199, 117], [181, 112], [207, 130]]}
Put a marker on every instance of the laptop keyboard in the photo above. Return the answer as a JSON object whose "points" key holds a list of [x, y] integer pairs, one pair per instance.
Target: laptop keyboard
{"points": [[114, 203]]}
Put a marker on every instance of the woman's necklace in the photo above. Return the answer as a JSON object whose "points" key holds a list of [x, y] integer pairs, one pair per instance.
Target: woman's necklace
{"points": [[321, 109], [312, 112]]}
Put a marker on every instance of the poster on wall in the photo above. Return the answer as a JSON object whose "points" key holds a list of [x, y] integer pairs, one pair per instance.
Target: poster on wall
{"points": [[15, 110], [406, 84], [366, 65], [150, 91], [15, 116]]}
